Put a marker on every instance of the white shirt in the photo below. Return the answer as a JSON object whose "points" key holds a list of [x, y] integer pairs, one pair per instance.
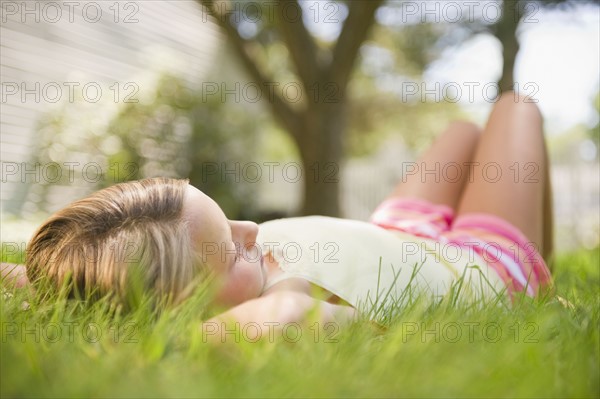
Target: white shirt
{"points": [[368, 266]]}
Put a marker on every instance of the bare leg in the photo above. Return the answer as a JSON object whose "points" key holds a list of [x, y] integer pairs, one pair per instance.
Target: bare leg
{"points": [[511, 168], [441, 173]]}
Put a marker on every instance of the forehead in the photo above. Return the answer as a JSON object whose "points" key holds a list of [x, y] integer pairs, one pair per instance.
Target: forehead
{"points": [[206, 220]]}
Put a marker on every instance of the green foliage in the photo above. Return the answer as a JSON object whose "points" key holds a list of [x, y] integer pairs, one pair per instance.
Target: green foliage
{"points": [[173, 132], [190, 134], [397, 55], [535, 349]]}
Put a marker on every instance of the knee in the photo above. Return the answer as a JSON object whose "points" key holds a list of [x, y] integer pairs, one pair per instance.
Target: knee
{"points": [[522, 121], [520, 104], [466, 130]]}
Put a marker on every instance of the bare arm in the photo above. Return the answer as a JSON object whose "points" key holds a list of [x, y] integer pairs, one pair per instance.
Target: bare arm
{"points": [[13, 274], [261, 317]]}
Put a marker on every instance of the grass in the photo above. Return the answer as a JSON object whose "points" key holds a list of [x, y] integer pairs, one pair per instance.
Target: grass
{"points": [[65, 349]]}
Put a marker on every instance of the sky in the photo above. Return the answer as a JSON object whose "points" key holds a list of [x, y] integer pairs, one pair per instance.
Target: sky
{"points": [[558, 64], [562, 54]]}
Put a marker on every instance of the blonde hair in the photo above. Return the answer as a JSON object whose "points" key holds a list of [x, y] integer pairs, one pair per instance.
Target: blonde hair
{"points": [[120, 239]]}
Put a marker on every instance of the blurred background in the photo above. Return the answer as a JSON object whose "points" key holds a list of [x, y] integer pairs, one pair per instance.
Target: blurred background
{"points": [[283, 108]]}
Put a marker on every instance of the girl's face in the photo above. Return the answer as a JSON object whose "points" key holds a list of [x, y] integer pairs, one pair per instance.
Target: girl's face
{"points": [[227, 247]]}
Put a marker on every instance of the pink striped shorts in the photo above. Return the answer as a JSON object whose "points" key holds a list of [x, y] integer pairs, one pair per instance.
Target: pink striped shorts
{"points": [[501, 245]]}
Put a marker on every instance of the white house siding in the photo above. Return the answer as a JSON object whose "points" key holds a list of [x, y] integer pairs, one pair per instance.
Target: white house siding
{"points": [[40, 46]]}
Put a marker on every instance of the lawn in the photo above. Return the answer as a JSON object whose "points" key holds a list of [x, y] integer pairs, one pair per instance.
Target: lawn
{"points": [[546, 349]]}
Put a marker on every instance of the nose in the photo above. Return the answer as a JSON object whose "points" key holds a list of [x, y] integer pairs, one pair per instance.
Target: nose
{"points": [[244, 232]]}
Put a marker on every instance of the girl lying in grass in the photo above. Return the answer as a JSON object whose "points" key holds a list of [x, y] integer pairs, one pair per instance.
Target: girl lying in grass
{"points": [[489, 209]]}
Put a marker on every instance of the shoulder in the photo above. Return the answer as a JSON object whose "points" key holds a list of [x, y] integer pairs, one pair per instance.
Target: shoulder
{"points": [[316, 225]]}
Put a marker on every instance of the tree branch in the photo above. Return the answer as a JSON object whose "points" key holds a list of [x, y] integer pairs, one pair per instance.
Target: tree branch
{"points": [[282, 112], [361, 16], [300, 43]]}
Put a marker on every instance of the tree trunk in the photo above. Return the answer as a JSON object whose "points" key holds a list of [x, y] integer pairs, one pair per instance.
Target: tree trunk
{"points": [[321, 149], [506, 32], [318, 130]]}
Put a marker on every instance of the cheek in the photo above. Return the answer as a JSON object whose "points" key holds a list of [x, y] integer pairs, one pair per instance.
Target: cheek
{"points": [[242, 284]]}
